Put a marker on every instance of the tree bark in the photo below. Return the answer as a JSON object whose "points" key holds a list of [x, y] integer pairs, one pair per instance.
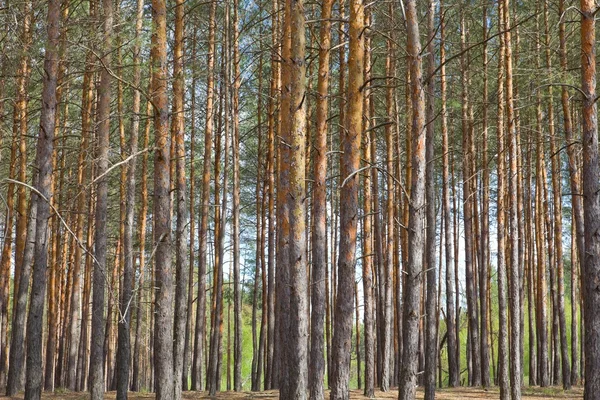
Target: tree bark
{"points": [[14, 378], [163, 279], [319, 213], [198, 359], [514, 274], [416, 233], [591, 199], [99, 273], [33, 384], [126, 301], [574, 172], [469, 192], [503, 364], [453, 364], [430, 262], [237, 284], [349, 165], [297, 337], [283, 213], [183, 218]]}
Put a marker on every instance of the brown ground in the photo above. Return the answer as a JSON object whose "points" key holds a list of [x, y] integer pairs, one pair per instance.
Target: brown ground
{"points": [[442, 394]]}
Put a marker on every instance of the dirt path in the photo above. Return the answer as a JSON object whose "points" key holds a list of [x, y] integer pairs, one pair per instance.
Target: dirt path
{"points": [[442, 394]]}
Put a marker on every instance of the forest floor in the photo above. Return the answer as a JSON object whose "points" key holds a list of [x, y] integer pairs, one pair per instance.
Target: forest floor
{"points": [[441, 394]]}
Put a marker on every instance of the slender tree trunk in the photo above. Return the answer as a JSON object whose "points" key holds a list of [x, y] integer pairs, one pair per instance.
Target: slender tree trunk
{"points": [[270, 381], [163, 284], [237, 284], [514, 274], [297, 338], [574, 302], [368, 273], [469, 190], [319, 213], [453, 364], [188, 348], [574, 172], [143, 212], [33, 384], [99, 274], [21, 208], [81, 204], [503, 374], [124, 346], [182, 231], [14, 377], [416, 233], [197, 364], [430, 262], [484, 266], [283, 217], [357, 336], [17, 345], [558, 233], [384, 265], [591, 199], [349, 165]]}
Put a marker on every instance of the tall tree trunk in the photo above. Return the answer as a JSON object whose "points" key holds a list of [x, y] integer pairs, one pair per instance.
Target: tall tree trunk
{"points": [[126, 301], [469, 190], [163, 284], [542, 290], [188, 347], [182, 231], [319, 213], [430, 262], [416, 232], [349, 165], [13, 381], [33, 384], [368, 273], [81, 204], [453, 364], [503, 374], [574, 172], [283, 213], [197, 364], [484, 266], [273, 90], [297, 339], [143, 212], [99, 274], [514, 274], [237, 284], [558, 234], [591, 199]]}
